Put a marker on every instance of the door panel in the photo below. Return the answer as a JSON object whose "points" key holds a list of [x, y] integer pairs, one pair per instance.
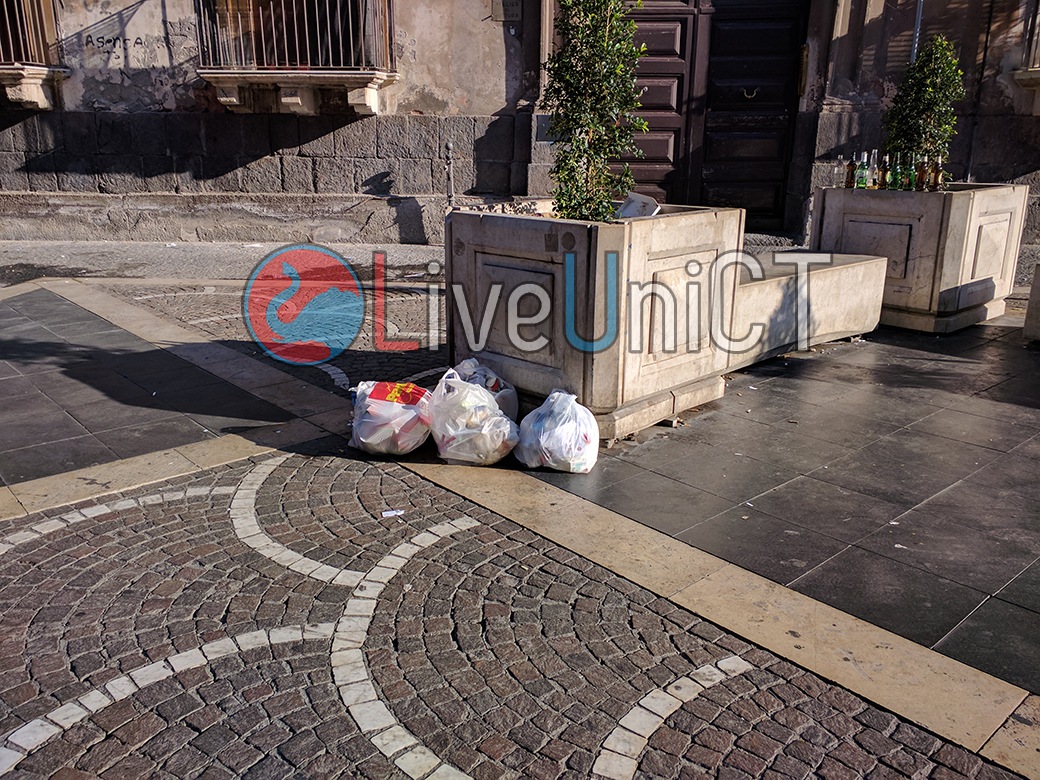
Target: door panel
{"points": [[752, 104], [720, 95], [663, 75]]}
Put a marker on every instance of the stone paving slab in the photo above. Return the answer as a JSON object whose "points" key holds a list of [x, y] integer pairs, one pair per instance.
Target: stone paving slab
{"points": [[215, 310], [1016, 746], [166, 637], [81, 391]]}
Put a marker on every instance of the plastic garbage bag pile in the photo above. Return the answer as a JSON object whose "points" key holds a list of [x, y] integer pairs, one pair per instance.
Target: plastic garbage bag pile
{"points": [[471, 415]]}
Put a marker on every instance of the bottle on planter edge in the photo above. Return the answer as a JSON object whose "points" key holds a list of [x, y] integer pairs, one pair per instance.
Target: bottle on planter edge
{"points": [[862, 171]]}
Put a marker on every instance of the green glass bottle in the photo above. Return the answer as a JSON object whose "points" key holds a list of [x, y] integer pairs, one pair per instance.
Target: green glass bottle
{"points": [[862, 171]]}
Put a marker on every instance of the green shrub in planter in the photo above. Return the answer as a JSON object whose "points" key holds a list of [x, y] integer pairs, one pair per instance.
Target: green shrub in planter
{"points": [[921, 120], [592, 98]]}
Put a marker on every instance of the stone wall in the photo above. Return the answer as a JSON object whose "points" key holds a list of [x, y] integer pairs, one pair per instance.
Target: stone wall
{"points": [[134, 116], [182, 152]]}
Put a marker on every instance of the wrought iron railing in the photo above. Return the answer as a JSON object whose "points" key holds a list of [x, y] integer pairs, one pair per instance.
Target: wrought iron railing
{"points": [[296, 34], [27, 32]]}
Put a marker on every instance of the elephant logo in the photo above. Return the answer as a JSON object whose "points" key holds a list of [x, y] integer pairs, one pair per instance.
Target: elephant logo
{"points": [[303, 304]]}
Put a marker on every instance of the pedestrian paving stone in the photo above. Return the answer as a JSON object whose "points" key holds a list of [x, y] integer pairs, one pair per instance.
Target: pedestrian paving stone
{"points": [[487, 651], [217, 313]]}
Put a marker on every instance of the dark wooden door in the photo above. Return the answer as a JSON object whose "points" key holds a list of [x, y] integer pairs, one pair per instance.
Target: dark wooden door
{"points": [[673, 81], [754, 73]]}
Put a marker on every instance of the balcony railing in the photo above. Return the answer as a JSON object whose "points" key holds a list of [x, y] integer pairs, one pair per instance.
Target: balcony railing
{"points": [[1033, 38], [296, 35], [27, 32], [1028, 76]]}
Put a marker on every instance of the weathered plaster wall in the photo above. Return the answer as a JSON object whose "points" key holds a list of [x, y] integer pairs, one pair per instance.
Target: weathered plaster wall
{"points": [[131, 56], [454, 58], [871, 49], [998, 138], [141, 55]]}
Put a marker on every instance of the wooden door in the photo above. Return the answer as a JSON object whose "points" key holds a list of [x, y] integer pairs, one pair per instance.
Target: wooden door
{"points": [[754, 74], [672, 76]]}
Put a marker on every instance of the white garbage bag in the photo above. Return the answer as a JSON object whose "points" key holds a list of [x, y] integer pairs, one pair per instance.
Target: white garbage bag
{"points": [[467, 423], [390, 418], [505, 393], [560, 434]]}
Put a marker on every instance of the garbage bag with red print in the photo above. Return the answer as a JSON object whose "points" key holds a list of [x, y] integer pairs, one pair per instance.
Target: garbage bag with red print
{"points": [[390, 418]]}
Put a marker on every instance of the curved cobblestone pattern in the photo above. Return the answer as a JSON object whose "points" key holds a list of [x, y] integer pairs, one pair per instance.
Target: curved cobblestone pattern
{"points": [[501, 653], [33, 735], [350, 670]]}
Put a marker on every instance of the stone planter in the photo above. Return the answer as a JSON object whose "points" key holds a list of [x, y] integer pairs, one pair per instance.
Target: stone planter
{"points": [[838, 300], [951, 254], [628, 386]]}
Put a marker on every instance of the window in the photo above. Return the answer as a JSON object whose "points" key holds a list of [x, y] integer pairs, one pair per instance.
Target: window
{"points": [[28, 53], [297, 45]]}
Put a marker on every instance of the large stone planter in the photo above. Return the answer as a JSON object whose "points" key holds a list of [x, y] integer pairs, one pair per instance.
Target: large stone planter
{"points": [[627, 386], [951, 254]]}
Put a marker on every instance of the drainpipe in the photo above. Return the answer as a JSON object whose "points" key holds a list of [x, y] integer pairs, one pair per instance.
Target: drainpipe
{"points": [[917, 30]]}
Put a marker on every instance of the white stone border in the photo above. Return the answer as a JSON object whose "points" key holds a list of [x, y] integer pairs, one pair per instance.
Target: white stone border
{"points": [[618, 757], [97, 510], [423, 374], [354, 679], [339, 379], [247, 527], [350, 670], [21, 742], [207, 290]]}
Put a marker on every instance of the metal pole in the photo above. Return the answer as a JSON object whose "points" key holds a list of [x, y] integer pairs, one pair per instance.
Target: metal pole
{"points": [[917, 30], [449, 168]]}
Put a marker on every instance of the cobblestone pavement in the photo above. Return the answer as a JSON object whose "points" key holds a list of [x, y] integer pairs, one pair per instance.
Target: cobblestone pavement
{"points": [[319, 615], [216, 310]]}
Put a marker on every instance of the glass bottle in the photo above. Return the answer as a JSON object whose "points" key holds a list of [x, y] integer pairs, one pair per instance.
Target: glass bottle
{"points": [[921, 175], [838, 172], [872, 171], [850, 173], [935, 176], [910, 174], [862, 172], [884, 174]]}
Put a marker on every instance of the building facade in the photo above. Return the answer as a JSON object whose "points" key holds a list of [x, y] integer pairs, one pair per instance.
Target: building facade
{"points": [[329, 119]]}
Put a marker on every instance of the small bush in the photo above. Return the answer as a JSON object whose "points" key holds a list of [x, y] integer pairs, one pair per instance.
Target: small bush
{"points": [[921, 120], [592, 98]]}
